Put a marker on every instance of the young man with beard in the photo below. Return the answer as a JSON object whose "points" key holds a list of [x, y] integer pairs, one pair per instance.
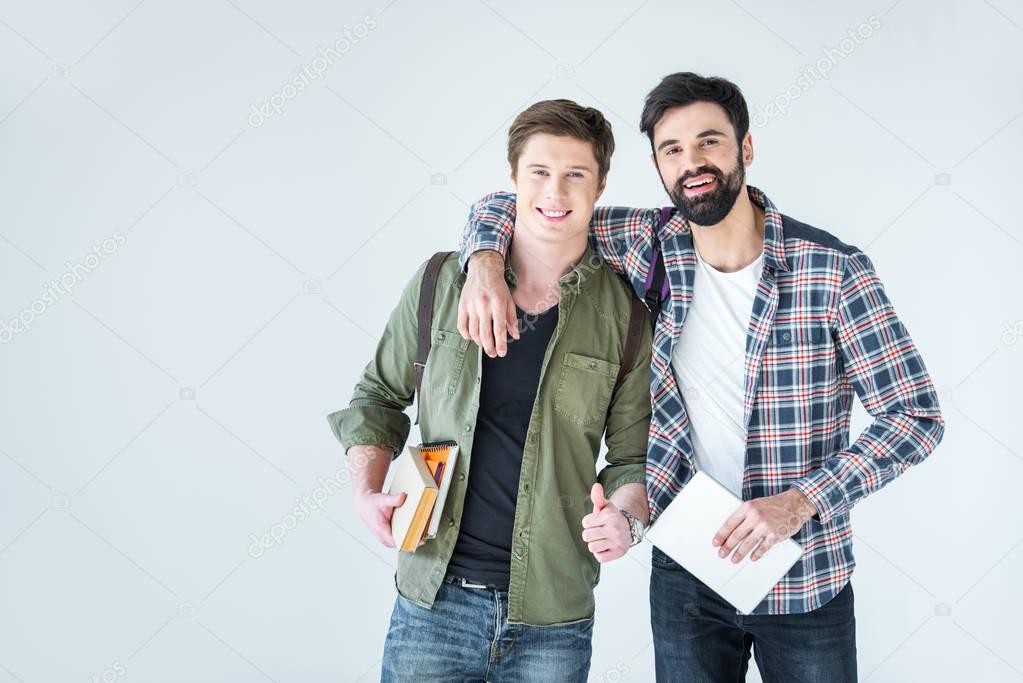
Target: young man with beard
{"points": [[505, 590], [769, 328]]}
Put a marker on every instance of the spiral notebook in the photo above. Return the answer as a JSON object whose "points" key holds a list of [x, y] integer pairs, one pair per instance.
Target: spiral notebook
{"points": [[424, 474]]}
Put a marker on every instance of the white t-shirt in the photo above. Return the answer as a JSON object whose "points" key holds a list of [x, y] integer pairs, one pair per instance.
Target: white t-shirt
{"points": [[709, 360]]}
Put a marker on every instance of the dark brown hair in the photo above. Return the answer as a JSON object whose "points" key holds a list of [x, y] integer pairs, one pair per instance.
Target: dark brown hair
{"points": [[686, 87], [563, 117]]}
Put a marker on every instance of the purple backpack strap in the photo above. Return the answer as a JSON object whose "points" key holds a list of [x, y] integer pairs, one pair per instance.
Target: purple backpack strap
{"points": [[657, 288]]}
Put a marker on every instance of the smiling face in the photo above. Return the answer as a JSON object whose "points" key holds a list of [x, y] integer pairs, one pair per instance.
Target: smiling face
{"points": [[700, 161], [557, 184]]}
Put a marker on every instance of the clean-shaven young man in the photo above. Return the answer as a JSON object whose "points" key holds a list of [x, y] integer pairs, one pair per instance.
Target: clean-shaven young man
{"points": [[505, 590], [770, 327]]}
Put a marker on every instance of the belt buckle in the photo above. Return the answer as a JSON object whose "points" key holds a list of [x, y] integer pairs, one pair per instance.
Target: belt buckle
{"points": [[465, 583]]}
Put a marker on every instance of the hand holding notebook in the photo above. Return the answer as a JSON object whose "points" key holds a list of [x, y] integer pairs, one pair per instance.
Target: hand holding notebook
{"points": [[684, 531]]}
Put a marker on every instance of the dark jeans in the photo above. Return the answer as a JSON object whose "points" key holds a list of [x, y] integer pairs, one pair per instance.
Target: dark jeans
{"points": [[700, 638], [466, 637]]}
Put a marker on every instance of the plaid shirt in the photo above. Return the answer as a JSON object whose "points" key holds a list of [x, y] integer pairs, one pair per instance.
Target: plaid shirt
{"points": [[821, 328]]}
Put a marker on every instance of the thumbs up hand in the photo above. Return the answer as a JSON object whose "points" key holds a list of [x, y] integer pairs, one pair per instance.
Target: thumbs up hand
{"points": [[605, 530]]}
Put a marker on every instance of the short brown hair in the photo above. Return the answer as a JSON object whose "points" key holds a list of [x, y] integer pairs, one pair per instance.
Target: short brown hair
{"points": [[563, 117]]}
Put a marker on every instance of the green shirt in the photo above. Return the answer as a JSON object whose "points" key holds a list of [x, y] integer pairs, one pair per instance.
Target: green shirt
{"points": [[552, 571]]}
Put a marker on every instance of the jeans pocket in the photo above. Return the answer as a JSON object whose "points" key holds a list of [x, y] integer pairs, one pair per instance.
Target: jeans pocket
{"points": [[659, 559]]}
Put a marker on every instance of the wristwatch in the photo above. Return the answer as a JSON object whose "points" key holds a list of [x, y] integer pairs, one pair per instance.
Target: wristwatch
{"points": [[635, 526]]}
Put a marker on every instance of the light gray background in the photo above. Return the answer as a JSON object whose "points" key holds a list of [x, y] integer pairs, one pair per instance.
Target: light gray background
{"points": [[173, 405]]}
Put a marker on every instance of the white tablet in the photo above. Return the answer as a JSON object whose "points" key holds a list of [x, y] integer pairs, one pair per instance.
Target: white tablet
{"points": [[684, 532]]}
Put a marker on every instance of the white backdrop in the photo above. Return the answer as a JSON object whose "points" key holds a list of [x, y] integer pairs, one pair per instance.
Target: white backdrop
{"points": [[209, 209]]}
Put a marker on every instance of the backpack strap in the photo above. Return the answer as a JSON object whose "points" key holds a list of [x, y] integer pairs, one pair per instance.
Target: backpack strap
{"points": [[632, 339], [657, 287], [424, 321]]}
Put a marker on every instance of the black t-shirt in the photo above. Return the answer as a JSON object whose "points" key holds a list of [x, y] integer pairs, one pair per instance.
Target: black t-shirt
{"points": [[508, 389]]}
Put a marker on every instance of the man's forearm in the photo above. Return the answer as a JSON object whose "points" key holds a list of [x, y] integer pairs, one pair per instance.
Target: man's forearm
{"points": [[799, 505], [632, 498], [368, 465], [890, 379], [484, 258]]}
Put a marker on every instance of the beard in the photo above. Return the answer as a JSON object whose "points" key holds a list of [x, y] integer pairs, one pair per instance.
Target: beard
{"points": [[709, 208]]}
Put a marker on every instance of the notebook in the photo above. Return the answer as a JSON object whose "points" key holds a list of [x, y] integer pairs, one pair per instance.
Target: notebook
{"points": [[440, 457], [410, 519], [684, 532], [424, 474]]}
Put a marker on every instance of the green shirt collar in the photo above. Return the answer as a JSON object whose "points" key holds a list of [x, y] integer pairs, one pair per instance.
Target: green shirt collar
{"points": [[588, 264]]}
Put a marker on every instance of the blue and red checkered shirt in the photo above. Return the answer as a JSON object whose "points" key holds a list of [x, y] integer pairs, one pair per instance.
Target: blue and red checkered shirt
{"points": [[821, 328]]}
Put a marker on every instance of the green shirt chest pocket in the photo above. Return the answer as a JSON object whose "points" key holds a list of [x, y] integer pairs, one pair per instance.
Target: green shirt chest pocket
{"points": [[585, 388], [445, 362]]}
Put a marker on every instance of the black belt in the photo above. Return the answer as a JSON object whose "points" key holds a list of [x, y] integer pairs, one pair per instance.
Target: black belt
{"points": [[469, 583]]}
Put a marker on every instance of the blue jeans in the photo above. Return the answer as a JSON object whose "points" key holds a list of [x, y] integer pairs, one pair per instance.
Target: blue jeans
{"points": [[466, 637], [699, 638]]}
